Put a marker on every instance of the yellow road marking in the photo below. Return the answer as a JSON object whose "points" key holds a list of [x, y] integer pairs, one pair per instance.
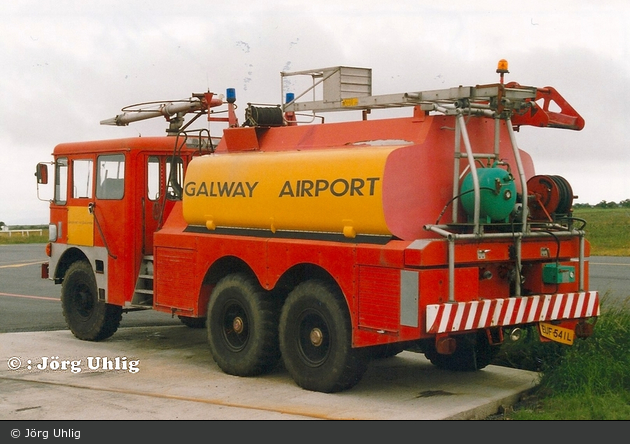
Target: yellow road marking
{"points": [[29, 297], [604, 263], [22, 264]]}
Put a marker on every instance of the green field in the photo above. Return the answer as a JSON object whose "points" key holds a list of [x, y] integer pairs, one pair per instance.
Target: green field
{"points": [[607, 229]]}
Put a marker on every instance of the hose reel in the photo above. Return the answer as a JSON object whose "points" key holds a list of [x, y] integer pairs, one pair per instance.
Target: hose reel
{"points": [[549, 196], [263, 116]]}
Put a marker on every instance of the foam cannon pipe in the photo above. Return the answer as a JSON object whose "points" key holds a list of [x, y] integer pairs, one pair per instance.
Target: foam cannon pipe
{"points": [[166, 110]]}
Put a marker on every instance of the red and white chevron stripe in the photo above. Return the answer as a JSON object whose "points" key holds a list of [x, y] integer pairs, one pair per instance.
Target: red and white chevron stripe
{"points": [[462, 316]]}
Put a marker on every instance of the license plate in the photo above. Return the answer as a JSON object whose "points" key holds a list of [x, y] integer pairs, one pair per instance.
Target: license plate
{"points": [[556, 333]]}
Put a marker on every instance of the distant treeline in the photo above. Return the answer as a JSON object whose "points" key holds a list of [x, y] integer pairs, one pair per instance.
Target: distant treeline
{"points": [[22, 227], [605, 204]]}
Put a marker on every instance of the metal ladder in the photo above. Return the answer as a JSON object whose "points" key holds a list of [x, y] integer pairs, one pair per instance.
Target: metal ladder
{"points": [[143, 293]]}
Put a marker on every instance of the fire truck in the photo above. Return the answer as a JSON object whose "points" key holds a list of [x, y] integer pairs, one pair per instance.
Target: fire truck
{"points": [[324, 244]]}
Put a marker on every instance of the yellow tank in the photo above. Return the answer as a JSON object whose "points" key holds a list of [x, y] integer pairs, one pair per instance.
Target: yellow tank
{"points": [[367, 190]]}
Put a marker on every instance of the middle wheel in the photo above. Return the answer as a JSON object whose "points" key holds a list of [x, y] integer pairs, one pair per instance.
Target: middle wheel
{"points": [[316, 339], [242, 326]]}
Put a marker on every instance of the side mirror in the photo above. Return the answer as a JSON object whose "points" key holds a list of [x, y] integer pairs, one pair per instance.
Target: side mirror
{"points": [[41, 173]]}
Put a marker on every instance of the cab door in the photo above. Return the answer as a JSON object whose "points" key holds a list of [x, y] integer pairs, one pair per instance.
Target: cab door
{"points": [[151, 207], [159, 195], [114, 226], [110, 207]]}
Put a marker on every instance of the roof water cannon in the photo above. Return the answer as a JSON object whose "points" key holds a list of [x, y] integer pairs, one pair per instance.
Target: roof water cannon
{"points": [[174, 111]]}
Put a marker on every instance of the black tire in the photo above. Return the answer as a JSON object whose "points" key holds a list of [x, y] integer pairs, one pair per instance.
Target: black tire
{"points": [[193, 322], [472, 352], [386, 351], [316, 340], [242, 327], [86, 317]]}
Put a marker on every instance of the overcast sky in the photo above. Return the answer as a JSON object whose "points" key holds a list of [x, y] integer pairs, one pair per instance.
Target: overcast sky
{"points": [[67, 65]]}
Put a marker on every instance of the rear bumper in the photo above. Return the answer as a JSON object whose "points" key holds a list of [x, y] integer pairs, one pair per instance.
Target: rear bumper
{"points": [[464, 316]]}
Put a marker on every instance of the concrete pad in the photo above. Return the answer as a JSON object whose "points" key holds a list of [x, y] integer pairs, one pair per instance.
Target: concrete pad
{"points": [[175, 378]]}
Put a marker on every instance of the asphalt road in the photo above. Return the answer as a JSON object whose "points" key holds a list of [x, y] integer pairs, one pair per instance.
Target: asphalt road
{"points": [[30, 303], [610, 275]]}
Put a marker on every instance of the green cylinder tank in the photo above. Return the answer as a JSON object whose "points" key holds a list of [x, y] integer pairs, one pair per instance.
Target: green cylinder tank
{"points": [[497, 192]]}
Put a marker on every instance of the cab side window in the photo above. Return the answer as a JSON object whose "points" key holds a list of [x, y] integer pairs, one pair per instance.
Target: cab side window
{"points": [[110, 176], [153, 178], [61, 181], [82, 178]]}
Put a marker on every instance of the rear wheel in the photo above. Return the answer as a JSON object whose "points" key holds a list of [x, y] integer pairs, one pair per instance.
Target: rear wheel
{"points": [[87, 317], [472, 352], [193, 322], [316, 339], [386, 350], [242, 327]]}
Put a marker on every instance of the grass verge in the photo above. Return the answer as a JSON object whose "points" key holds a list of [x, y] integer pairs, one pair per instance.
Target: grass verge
{"points": [[17, 238], [590, 380]]}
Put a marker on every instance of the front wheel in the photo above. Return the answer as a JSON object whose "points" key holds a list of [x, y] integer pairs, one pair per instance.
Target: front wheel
{"points": [[242, 327], [316, 340], [87, 317]]}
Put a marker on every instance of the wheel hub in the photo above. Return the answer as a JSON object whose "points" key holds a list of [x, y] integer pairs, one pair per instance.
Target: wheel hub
{"points": [[317, 337], [237, 325]]}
